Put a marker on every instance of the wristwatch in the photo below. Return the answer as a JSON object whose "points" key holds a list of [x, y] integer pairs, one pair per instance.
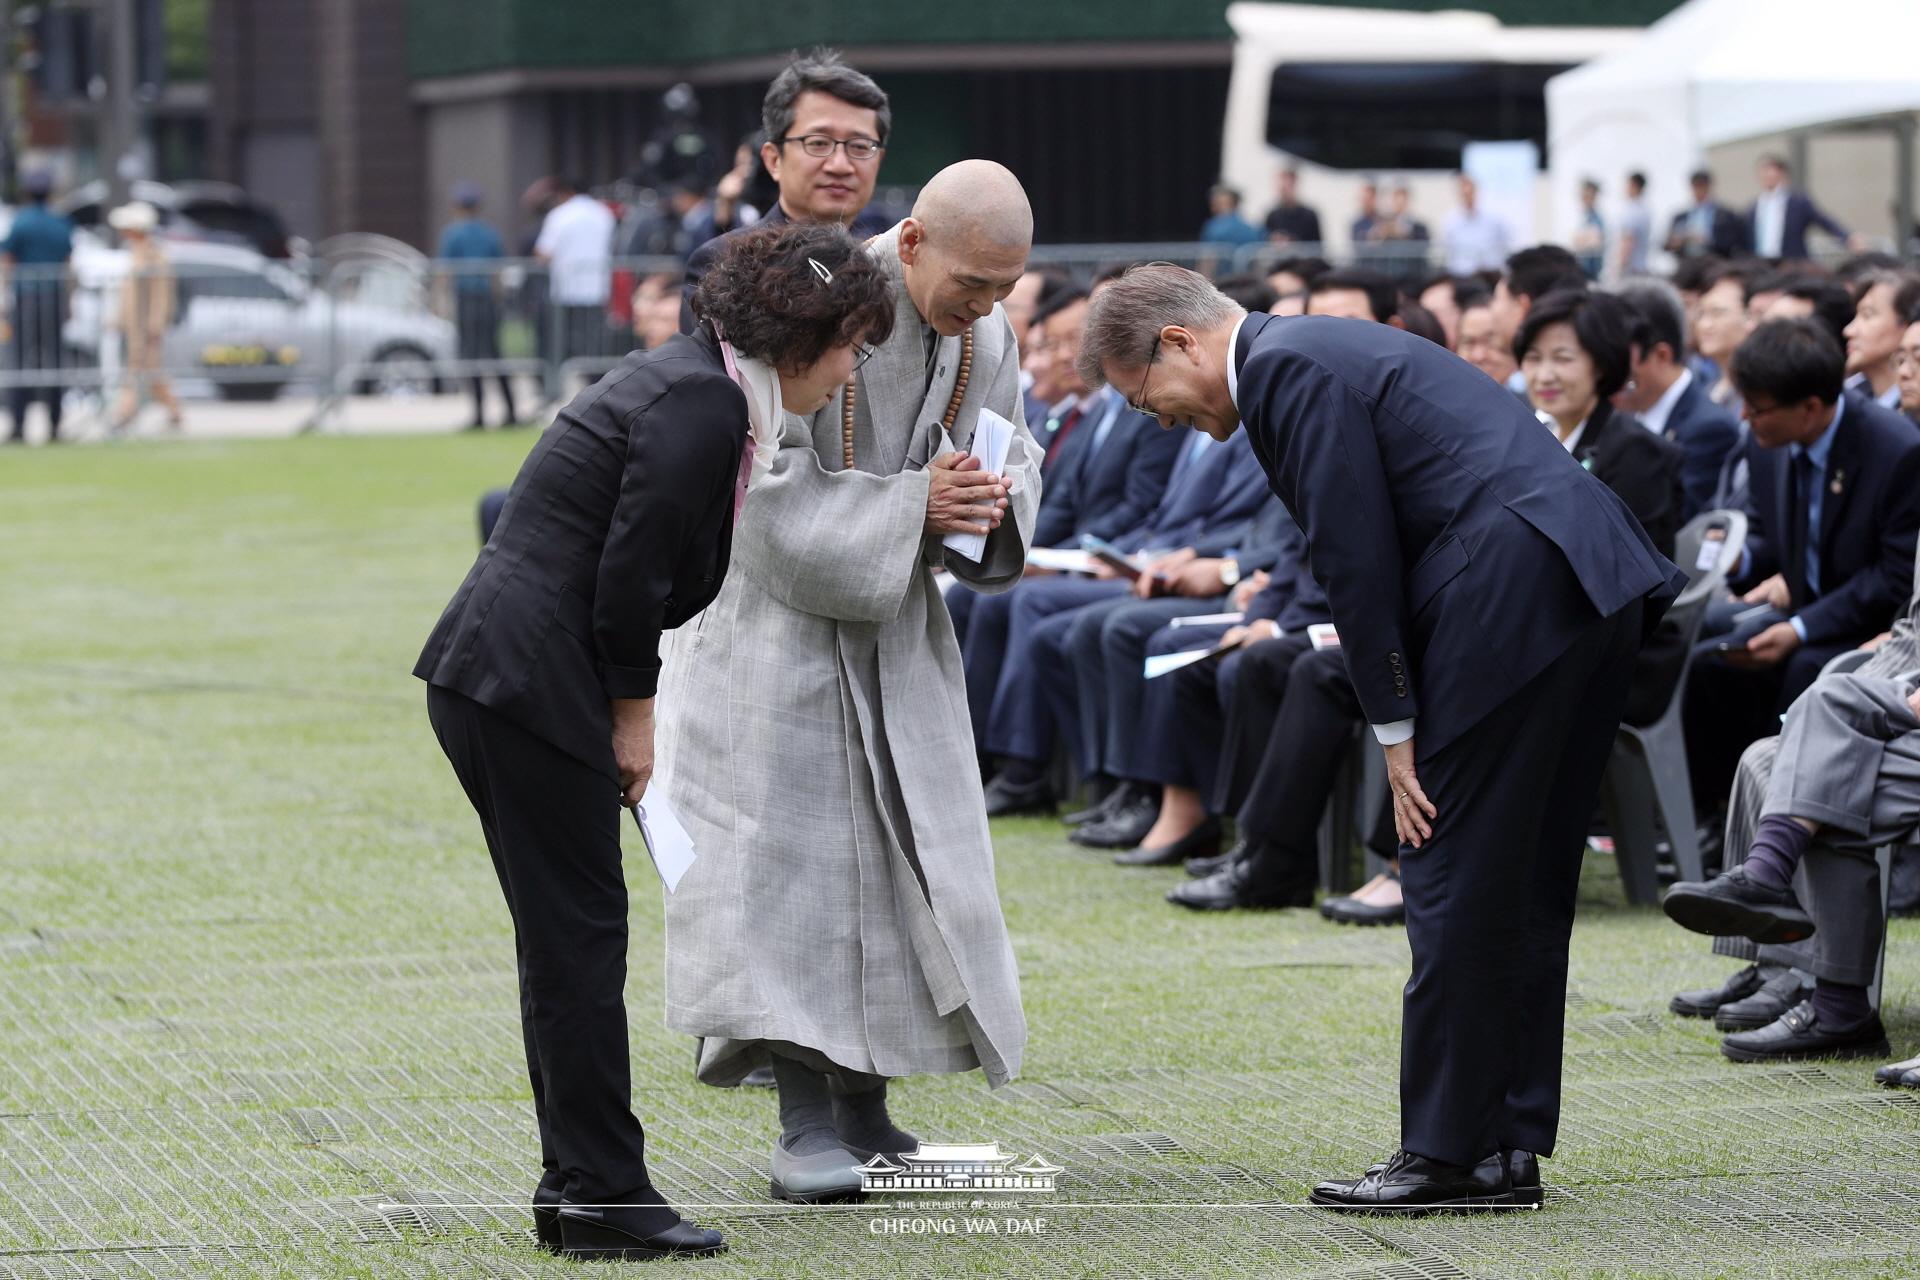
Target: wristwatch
{"points": [[1229, 573]]}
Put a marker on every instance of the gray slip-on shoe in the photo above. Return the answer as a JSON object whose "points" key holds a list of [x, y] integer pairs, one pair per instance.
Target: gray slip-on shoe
{"points": [[826, 1177]]}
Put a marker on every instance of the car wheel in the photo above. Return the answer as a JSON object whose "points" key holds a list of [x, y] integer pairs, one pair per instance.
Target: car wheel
{"points": [[249, 391], [400, 371]]}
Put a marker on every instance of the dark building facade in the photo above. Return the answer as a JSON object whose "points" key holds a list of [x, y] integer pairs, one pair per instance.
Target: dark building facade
{"points": [[361, 114]]}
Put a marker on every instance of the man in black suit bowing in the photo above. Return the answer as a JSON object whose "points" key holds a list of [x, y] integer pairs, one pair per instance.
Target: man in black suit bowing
{"points": [[1490, 596]]}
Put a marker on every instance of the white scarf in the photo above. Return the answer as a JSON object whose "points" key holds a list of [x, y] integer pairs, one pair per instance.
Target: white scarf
{"points": [[761, 386]]}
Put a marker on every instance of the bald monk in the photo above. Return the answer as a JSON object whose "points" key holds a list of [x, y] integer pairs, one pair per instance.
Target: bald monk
{"points": [[841, 921]]}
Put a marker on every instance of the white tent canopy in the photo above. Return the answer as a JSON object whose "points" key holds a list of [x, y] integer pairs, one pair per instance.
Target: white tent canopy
{"points": [[1719, 71]]}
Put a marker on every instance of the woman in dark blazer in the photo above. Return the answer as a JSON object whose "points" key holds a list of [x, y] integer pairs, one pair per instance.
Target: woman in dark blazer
{"points": [[541, 674], [1575, 350]]}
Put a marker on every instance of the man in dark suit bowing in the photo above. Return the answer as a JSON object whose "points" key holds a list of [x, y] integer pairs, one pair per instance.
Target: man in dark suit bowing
{"points": [[1490, 596]]}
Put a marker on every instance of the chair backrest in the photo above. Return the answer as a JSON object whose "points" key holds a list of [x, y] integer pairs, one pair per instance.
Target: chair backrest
{"points": [[1707, 573]]}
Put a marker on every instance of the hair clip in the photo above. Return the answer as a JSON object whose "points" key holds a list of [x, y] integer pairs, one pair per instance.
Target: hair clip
{"points": [[826, 276]]}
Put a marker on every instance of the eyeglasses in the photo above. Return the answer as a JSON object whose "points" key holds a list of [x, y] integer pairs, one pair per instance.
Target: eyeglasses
{"points": [[820, 146], [861, 354], [1139, 402]]}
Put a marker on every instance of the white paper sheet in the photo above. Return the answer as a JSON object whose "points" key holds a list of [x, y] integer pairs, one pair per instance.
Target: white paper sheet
{"points": [[1322, 636], [667, 841], [1061, 559], [1208, 619], [1160, 664], [992, 437]]}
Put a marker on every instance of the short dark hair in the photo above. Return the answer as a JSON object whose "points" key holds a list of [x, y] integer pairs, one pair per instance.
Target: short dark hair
{"points": [[1308, 268], [1053, 301], [1777, 160], [1688, 275], [1222, 189], [1469, 292], [1832, 304], [1657, 316], [1741, 273], [1701, 175], [1422, 323], [1602, 325], [1250, 291], [1537, 271], [1852, 267], [1789, 361], [766, 294], [1637, 178], [1383, 295], [820, 71], [1904, 284]]}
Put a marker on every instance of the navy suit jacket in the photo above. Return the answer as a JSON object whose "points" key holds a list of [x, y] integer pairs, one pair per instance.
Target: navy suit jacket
{"points": [[1706, 433], [1869, 516], [1109, 491], [1802, 215], [1210, 507], [1462, 549], [1731, 234]]}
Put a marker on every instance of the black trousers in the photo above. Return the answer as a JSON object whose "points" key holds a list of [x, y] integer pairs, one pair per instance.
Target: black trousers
{"points": [[1251, 714], [477, 325], [1490, 902], [37, 345], [552, 826]]}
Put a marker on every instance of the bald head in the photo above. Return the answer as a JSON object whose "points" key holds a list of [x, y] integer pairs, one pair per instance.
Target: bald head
{"points": [[966, 244], [976, 200]]}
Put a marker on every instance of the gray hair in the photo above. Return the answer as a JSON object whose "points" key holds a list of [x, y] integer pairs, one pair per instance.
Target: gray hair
{"points": [[1129, 313], [820, 71]]}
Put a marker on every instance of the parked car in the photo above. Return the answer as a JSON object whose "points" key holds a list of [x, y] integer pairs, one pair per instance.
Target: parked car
{"points": [[216, 212], [251, 325]]}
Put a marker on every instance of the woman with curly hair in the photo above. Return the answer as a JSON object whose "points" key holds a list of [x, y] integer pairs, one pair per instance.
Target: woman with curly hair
{"points": [[542, 671]]}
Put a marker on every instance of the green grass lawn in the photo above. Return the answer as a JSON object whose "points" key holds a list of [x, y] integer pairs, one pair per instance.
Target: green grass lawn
{"points": [[257, 1010]]}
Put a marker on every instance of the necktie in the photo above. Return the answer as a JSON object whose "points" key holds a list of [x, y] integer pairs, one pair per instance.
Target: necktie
{"points": [[1797, 546], [1061, 432]]}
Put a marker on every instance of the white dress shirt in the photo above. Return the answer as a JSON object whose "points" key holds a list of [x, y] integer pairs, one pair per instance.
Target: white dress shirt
{"points": [[1770, 222], [577, 241]]}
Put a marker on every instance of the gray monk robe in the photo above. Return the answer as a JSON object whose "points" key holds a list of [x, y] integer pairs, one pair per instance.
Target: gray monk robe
{"points": [[817, 746]]}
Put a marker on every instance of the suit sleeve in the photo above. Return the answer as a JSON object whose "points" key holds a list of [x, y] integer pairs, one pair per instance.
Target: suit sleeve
{"points": [[1761, 557], [1326, 462], [697, 263], [1053, 523], [1867, 602], [683, 458], [1706, 443], [1818, 217], [1150, 455]]}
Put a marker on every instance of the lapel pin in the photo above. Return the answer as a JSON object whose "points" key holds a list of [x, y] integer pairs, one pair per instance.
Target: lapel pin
{"points": [[1839, 483]]}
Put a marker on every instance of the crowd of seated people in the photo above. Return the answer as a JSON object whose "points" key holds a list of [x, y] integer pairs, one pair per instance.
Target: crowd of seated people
{"points": [[1182, 691]]}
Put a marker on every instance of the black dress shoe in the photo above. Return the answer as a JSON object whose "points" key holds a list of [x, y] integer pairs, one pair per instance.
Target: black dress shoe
{"points": [[1111, 803], [1523, 1171], [1203, 841], [1734, 905], [1005, 799], [631, 1234], [1414, 1184], [1702, 1003], [1124, 830], [1351, 910], [1798, 1034], [1234, 888], [1778, 994], [1200, 868], [546, 1210]]}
